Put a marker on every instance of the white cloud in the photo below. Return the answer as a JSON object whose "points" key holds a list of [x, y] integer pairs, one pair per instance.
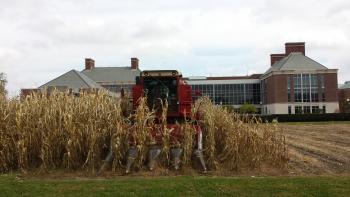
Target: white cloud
{"points": [[42, 39]]}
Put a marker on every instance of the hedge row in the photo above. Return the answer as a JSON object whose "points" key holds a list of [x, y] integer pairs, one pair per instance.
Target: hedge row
{"points": [[306, 117]]}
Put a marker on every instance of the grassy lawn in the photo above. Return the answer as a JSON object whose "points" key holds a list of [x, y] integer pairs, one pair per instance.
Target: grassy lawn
{"points": [[178, 186]]}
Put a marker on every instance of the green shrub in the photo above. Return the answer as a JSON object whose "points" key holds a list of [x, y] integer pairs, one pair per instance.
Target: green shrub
{"points": [[247, 109]]}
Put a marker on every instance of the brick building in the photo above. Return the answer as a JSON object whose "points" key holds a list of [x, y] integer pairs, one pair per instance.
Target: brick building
{"points": [[293, 84], [297, 84]]}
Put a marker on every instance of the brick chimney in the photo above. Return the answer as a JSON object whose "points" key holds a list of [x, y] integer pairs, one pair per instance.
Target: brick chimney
{"points": [[276, 57], [134, 63], [89, 63], [295, 47]]}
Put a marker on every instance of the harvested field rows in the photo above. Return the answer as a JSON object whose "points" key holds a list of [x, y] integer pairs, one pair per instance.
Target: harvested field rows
{"points": [[318, 148]]}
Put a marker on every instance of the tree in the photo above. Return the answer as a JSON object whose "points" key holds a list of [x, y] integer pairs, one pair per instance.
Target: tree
{"points": [[247, 109], [3, 82]]}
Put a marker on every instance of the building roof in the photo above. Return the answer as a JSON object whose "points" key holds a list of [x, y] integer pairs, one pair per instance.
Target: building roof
{"points": [[112, 74], [296, 61], [72, 79], [253, 76], [346, 85]]}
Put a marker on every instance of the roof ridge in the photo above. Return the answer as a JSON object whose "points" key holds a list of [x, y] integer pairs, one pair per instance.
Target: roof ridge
{"points": [[88, 83], [108, 67], [286, 60], [296, 61], [78, 73], [56, 78], [315, 61]]}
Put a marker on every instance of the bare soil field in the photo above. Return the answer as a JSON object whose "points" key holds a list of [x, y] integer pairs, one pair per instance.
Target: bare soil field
{"points": [[318, 148]]}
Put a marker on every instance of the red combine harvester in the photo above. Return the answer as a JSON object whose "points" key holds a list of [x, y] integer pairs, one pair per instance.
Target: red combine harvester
{"points": [[161, 87]]}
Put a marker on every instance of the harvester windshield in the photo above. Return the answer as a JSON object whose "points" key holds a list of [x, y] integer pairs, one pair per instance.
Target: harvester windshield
{"points": [[159, 90]]}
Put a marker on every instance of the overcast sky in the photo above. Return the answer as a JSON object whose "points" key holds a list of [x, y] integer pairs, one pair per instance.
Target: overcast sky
{"points": [[42, 39]]}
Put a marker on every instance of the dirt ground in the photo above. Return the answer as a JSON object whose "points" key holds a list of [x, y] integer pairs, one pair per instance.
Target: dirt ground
{"points": [[318, 148]]}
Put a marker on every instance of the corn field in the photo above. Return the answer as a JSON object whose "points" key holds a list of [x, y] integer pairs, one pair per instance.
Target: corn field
{"points": [[63, 131], [234, 142]]}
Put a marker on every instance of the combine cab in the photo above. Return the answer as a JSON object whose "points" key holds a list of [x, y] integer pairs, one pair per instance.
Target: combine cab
{"points": [[165, 88]]}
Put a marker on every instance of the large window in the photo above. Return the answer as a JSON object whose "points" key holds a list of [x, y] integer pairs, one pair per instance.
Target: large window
{"points": [[297, 88], [323, 89], [203, 90], [263, 91], [238, 94], [228, 94], [252, 93], [314, 88], [305, 88], [288, 88], [224, 93]]}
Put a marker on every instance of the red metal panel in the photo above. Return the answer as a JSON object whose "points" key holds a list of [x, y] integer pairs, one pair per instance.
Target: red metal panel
{"points": [[185, 100], [137, 92]]}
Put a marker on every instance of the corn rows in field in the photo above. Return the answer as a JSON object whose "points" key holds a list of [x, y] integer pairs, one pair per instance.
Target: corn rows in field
{"points": [[233, 142], [65, 131]]}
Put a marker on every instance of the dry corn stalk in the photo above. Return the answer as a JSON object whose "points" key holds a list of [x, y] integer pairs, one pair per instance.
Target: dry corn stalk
{"points": [[65, 131], [235, 142], [140, 133]]}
